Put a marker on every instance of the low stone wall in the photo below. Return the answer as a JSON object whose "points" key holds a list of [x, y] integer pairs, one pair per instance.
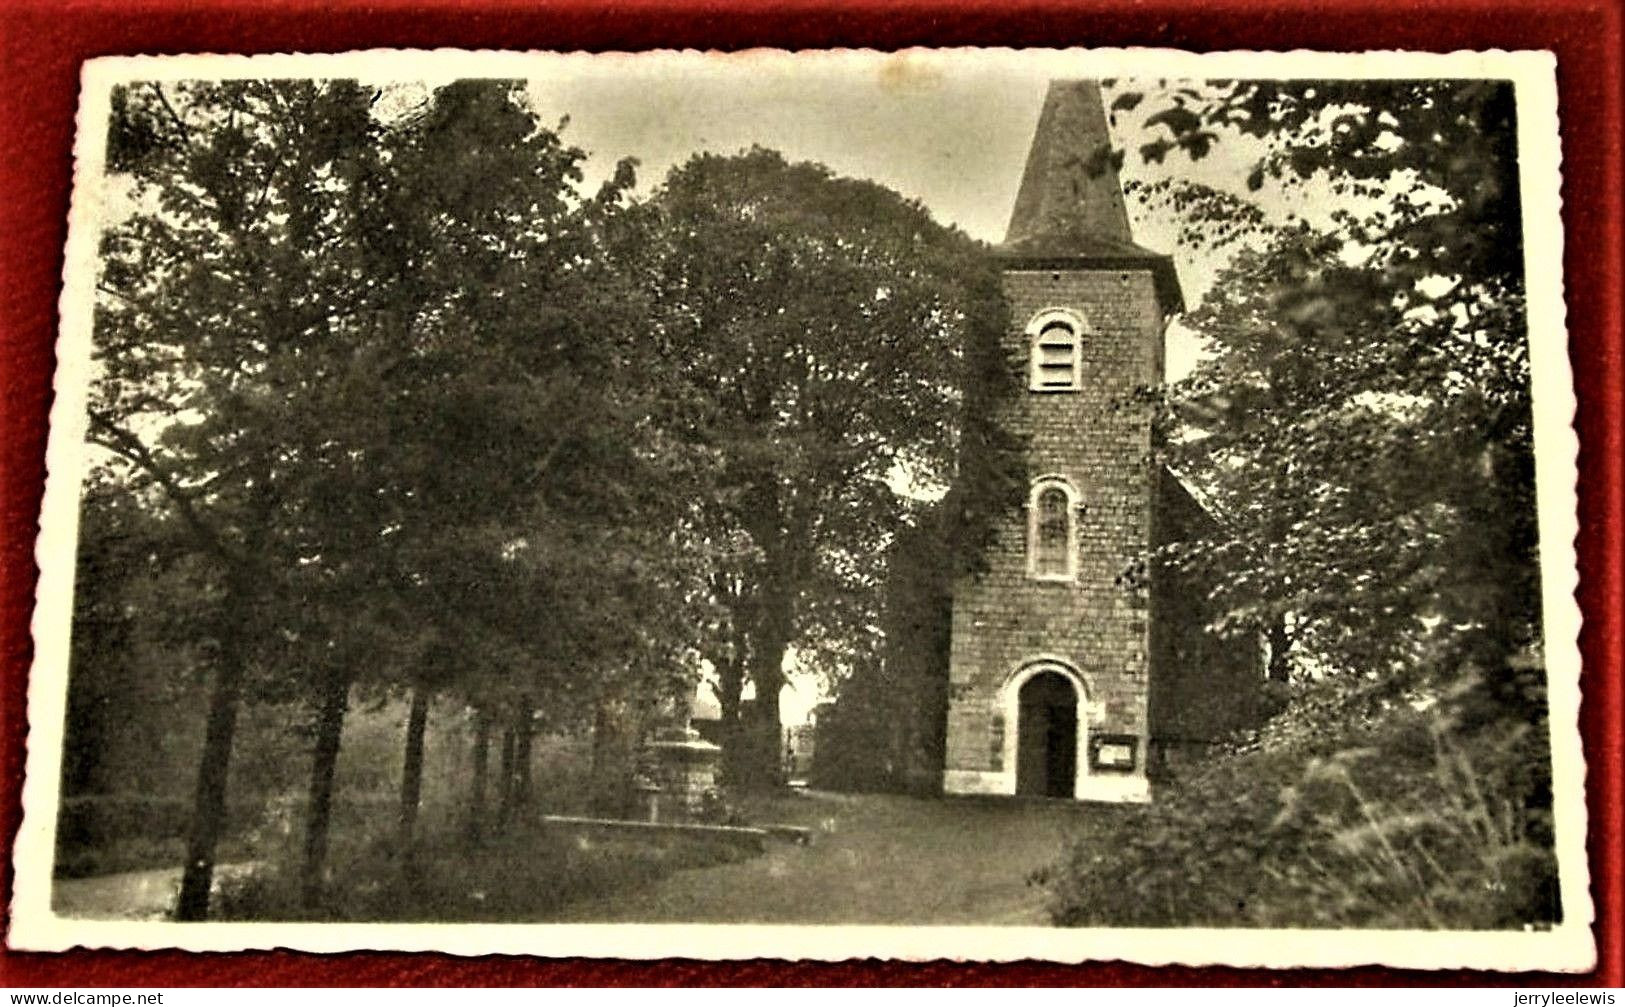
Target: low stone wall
{"points": [[747, 836]]}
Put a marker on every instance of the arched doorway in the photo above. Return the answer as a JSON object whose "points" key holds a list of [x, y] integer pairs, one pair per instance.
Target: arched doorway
{"points": [[1047, 736]]}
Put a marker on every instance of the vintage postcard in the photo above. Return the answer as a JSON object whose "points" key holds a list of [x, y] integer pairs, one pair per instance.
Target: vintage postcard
{"points": [[963, 504]]}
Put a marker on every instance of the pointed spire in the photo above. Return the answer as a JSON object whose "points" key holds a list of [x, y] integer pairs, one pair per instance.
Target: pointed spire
{"points": [[1069, 210], [1070, 189]]}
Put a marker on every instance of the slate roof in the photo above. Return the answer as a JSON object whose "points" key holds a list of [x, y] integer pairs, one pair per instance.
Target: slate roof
{"points": [[1069, 210]]}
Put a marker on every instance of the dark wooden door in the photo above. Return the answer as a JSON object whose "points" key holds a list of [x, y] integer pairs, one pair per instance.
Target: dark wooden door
{"points": [[1047, 737]]}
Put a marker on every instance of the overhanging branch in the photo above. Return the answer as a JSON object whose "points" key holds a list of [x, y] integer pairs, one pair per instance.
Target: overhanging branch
{"points": [[130, 447]]}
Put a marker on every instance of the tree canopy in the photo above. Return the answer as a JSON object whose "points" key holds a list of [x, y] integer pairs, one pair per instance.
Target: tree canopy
{"points": [[827, 322], [378, 367], [1361, 419], [406, 410]]}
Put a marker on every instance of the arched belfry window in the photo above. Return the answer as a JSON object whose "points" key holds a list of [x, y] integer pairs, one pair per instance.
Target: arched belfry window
{"points": [[1057, 351], [1052, 540]]}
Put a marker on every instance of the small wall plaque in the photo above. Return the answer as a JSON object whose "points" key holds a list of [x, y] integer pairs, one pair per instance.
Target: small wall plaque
{"points": [[1113, 752]]}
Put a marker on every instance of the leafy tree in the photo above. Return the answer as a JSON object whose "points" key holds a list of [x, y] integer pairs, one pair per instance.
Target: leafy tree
{"points": [[826, 322], [508, 329], [223, 304], [1361, 428], [1363, 419], [314, 307]]}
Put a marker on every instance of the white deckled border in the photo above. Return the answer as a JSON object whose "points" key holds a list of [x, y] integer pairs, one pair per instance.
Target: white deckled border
{"points": [[1568, 947]]}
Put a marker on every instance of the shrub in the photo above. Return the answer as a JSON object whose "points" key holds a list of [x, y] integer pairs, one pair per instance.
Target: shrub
{"points": [[105, 833], [1451, 848], [98, 819], [109, 833], [1363, 807]]}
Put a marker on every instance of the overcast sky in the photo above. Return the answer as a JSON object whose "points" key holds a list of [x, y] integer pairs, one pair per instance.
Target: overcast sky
{"points": [[957, 144], [954, 137]]}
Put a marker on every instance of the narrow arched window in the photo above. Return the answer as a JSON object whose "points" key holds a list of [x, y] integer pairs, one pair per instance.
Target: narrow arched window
{"points": [[1051, 550], [1057, 351]]}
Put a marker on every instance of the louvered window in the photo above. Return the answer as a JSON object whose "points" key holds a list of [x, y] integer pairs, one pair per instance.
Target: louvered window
{"points": [[1057, 355]]}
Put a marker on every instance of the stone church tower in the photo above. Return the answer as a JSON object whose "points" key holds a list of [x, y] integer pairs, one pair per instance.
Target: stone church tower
{"points": [[1062, 673]]}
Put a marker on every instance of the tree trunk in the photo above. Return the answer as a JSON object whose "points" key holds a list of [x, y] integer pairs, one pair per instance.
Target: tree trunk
{"points": [[505, 783], [597, 770], [417, 723], [1280, 667], [521, 778], [765, 768], [762, 767], [769, 615], [482, 757], [329, 736], [214, 764], [613, 760], [730, 684], [604, 792]]}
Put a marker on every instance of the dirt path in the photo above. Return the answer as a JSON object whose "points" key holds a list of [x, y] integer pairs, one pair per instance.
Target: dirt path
{"points": [[876, 860]]}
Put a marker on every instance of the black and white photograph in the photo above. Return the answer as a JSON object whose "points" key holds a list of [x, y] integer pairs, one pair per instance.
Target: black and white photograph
{"points": [[971, 504]]}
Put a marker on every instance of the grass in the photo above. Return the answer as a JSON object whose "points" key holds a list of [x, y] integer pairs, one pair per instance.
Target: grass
{"points": [[525, 874], [112, 833], [874, 860], [1381, 811]]}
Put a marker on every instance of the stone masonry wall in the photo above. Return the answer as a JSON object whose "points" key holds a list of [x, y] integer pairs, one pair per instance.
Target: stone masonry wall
{"points": [[1099, 439]]}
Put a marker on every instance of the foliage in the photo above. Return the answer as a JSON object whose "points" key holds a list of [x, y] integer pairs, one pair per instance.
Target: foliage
{"points": [[311, 307], [1371, 807], [525, 874], [291, 317], [102, 819], [108, 833], [1425, 170], [547, 547], [1362, 420], [885, 730], [131, 660], [827, 321]]}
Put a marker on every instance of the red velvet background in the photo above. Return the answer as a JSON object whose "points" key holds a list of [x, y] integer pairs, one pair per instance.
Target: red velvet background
{"points": [[42, 44]]}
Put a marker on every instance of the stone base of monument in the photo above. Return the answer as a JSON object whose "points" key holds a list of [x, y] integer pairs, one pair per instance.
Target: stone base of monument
{"points": [[677, 794], [678, 799], [678, 779]]}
